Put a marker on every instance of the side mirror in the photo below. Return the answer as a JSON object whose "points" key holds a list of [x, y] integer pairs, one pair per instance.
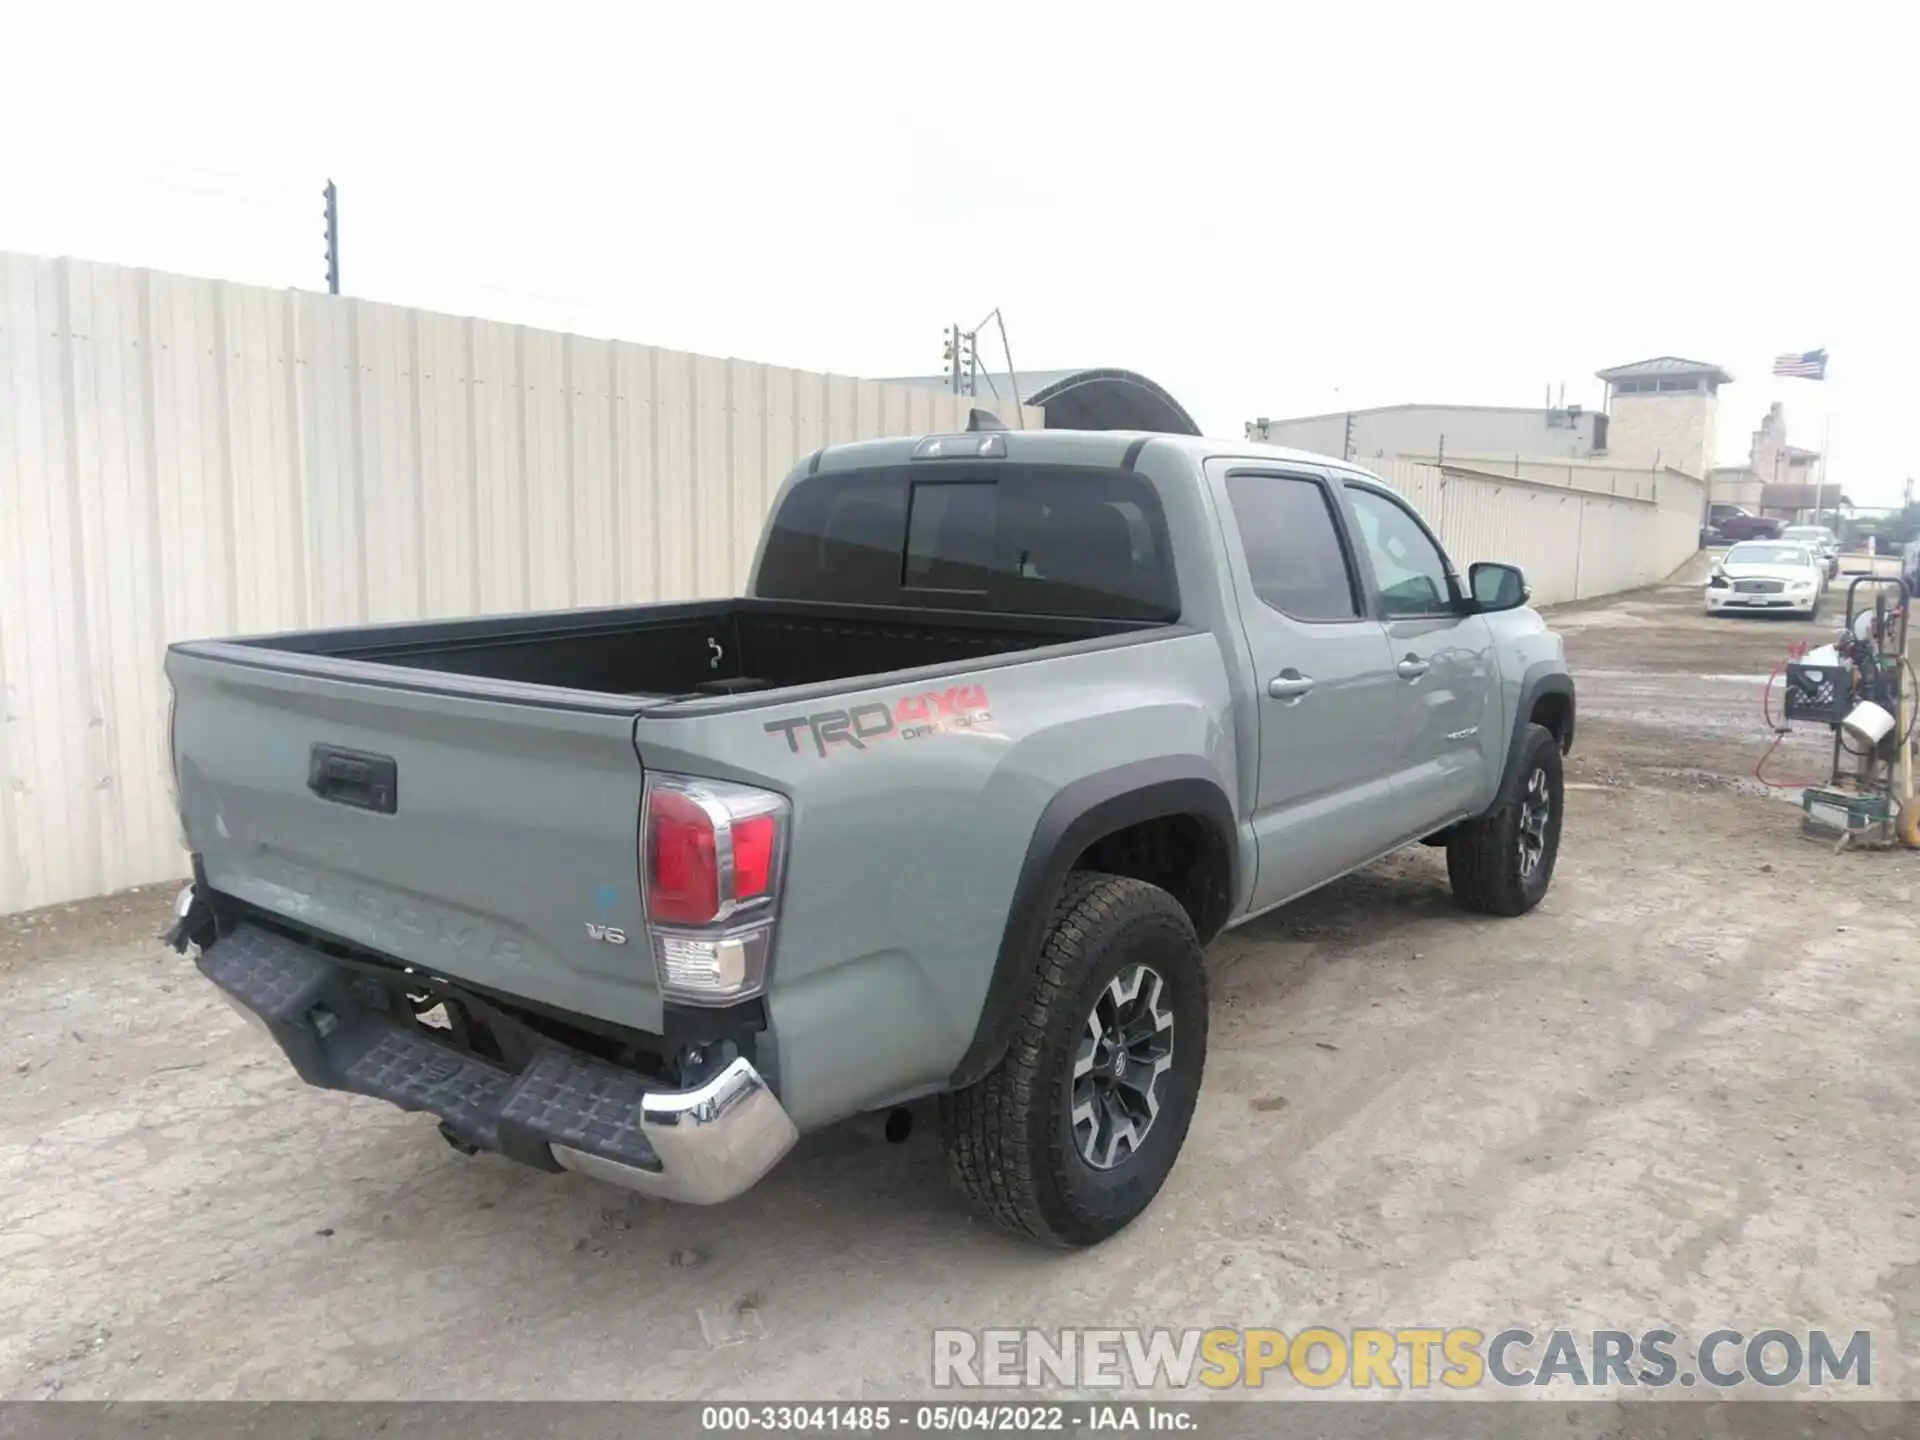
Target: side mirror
{"points": [[1497, 587]]}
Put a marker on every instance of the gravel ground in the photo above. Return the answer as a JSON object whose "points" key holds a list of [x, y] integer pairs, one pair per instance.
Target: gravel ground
{"points": [[1682, 1092]]}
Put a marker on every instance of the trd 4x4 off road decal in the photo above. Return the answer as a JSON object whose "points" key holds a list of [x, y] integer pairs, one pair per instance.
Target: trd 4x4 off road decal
{"points": [[963, 707]]}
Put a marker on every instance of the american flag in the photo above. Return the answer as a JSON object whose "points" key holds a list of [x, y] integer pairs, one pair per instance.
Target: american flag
{"points": [[1810, 366]]}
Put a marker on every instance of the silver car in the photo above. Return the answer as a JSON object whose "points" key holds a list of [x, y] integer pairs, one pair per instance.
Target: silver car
{"points": [[1820, 539]]}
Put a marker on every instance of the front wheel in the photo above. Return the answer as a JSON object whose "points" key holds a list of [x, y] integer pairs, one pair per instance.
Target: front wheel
{"points": [[1502, 862], [1071, 1137]]}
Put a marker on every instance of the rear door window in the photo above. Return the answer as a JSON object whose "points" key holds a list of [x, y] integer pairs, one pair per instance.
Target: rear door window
{"points": [[1008, 538], [1294, 557]]}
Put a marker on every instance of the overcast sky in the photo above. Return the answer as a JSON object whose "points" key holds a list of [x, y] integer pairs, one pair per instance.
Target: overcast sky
{"points": [[1271, 210]]}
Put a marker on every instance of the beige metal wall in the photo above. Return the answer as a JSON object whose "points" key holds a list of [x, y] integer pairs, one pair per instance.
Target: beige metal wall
{"points": [[186, 457], [1601, 476], [183, 458], [1575, 541]]}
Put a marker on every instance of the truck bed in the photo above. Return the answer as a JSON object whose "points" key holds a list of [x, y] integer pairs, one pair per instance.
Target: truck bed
{"points": [[461, 796], [730, 646]]}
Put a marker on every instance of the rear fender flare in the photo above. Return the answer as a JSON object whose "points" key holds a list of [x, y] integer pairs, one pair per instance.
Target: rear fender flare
{"points": [[1081, 813]]}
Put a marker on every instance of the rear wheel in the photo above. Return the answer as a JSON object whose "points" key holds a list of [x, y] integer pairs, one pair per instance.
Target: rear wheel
{"points": [[1075, 1132], [1502, 862]]}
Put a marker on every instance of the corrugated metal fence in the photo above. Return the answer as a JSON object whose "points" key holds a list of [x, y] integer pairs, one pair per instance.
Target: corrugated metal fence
{"points": [[184, 458], [1577, 538]]}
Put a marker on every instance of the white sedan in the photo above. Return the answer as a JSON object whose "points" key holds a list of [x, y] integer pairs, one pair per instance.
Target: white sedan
{"points": [[1771, 575]]}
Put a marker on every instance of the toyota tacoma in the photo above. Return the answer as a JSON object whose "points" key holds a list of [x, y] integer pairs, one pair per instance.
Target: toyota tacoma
{"points": [[1005, 729]]}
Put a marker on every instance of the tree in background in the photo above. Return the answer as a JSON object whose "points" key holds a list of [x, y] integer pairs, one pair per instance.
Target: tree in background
{"points": [[1893, 528]]}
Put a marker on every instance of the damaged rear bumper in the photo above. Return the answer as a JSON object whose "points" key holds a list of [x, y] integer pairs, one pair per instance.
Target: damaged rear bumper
{"points": [[563, 1110]]}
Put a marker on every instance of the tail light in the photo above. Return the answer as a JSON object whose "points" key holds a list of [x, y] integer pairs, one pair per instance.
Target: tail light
{"points": [[711, 855]]}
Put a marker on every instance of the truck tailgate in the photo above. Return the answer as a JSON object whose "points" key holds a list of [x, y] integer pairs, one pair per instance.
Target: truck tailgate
{"points": [[490, 840]]}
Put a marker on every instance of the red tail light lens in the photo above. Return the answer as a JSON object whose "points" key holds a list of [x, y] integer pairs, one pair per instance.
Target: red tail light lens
{"points": [[753, 846], [711, 855], [683, 868], [710, 851]]}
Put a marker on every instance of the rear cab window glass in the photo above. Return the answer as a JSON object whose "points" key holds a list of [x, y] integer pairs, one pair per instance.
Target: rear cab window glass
{"points": [[1000, 537], [837, 538], [950, 533]]}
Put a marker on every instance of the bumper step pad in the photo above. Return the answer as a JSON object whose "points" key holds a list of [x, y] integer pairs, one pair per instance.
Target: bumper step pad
{"points": [[340, 1036], [414, 1073], [585, 1106]]}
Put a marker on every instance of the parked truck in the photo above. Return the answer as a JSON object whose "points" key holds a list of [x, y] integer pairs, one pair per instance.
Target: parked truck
{"points": [[1005, 729], [1733, 523]]}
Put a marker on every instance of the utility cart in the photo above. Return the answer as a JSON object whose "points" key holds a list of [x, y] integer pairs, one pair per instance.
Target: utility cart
{"points": [[1862, 687]]}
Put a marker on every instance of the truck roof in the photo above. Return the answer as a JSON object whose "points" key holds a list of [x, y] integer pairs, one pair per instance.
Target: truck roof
{"points": [[1075, 447]]}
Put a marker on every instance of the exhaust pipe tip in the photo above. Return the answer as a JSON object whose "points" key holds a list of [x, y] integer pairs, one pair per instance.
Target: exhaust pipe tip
{"points": [[889, 1127]]}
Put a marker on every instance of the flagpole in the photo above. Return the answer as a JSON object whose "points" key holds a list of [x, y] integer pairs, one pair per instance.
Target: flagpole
{"points": [[1826, 462]]}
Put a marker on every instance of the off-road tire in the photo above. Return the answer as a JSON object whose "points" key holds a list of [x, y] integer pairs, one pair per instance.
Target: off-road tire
{"points": [[1483, 855], [1010, 1139]]}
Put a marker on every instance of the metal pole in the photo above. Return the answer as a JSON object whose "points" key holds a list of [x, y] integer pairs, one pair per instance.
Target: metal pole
{"points": [[1579, 544], [1820, 487], [332, 196], [1903, 681], [1346, 439], [1019, 404]]}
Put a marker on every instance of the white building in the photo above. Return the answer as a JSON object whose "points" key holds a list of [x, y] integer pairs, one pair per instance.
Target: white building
{"points": [[1778, 478], [1390, 431], [1663, 412], [1659, 414]]}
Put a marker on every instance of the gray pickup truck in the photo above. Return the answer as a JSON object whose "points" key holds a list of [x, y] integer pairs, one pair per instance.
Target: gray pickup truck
{"points": [[1006, 728]]}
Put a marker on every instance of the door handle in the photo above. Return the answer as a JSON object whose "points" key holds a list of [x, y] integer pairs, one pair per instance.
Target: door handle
{"points": [[1289, 685], [1411, 668]]}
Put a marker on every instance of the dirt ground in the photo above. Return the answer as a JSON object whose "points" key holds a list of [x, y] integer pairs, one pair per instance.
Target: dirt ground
{"points": [[1684, 1091]]}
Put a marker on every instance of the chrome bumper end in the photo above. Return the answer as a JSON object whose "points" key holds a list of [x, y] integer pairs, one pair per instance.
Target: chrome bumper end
{"points": [[713, 1142]]}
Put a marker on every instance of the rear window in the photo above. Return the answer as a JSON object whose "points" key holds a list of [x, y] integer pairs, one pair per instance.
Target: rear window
{"points": [[1024, 539]]}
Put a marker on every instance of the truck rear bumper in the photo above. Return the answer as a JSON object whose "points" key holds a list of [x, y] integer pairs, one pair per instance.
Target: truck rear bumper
{"points": [[564, 1110]]}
